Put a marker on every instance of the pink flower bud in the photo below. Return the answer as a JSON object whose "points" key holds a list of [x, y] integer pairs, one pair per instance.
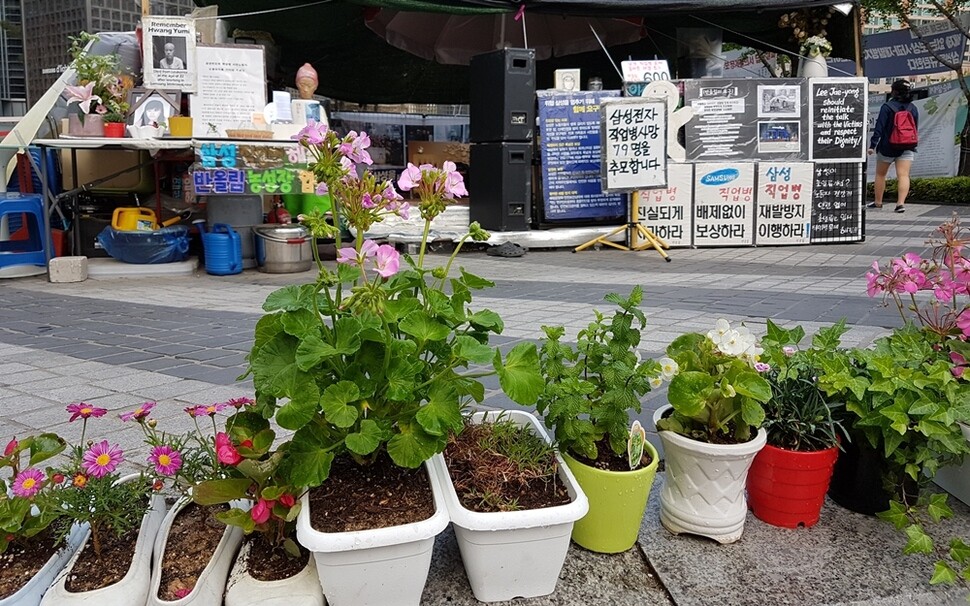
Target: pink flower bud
{"points": [[11, 446]]}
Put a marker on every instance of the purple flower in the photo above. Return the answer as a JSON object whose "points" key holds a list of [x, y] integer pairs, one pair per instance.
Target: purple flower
{"points": [[367, 201], [390, 193], [788, 350], [83, 410], [355, 146], [321, 189], [314, 133], [138, 414], [28, 483], [347, 254], [240, 402], [404, 211], [102, 459], [762, 367], [203, 410], [454, 183], [410, 178], [167, 461], [387, 260]]}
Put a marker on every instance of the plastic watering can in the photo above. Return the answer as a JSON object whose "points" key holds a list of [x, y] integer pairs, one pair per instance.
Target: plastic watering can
{"points": [[223, 250]]}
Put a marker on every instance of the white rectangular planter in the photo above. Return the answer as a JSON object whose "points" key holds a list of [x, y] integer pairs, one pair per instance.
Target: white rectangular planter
{"points": [[516, 553], [379, 567], [956, 479]]}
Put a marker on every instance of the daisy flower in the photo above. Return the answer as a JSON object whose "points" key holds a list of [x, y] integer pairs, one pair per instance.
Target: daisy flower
{"points": [[28, 483], [139, 413], [210, 410], [102, 459], [240, 402], [83, 410], [167, 461]]}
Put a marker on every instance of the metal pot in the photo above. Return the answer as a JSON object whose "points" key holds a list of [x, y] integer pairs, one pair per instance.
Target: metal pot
{"points": [[283, 249]]}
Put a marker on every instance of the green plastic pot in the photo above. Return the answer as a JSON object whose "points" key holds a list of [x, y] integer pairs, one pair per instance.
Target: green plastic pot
{"points": [[617, 500]]}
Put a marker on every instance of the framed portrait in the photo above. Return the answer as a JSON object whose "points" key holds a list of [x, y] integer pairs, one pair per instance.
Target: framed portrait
{"points": [[168, 56], [152, 106]]}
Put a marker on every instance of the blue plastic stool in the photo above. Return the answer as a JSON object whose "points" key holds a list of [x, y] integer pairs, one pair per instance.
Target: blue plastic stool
{"points": [[16, 213]]}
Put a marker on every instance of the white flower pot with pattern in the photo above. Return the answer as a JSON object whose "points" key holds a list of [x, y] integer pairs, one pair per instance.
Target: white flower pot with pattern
{"points": [[211, 584], [510, 554], [703, 490], [134, 587], [243, 589], [33, 590], [377, 567]]}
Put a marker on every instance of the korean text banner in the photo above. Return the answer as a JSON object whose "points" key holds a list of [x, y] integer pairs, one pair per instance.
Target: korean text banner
{"points": [[901, 53]]}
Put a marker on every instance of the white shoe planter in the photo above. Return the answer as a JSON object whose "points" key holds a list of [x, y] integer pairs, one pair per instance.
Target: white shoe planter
{"points": [[243, 589], [953, 479], [33, 591], [134, 587], [703, 491], [378, 567], [211, 584], [516, 553]]}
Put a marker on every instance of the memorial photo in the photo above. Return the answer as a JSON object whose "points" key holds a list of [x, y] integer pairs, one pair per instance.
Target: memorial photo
{"points": [[779, 101], [775, 137], [169, 52], [152, 107]]}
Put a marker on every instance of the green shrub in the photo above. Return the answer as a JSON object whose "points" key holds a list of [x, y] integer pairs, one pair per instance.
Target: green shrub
{"points": [[947, 190]]}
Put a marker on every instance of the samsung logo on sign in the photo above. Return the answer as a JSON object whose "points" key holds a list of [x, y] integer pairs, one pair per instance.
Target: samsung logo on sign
{"points": [[720, 177]]}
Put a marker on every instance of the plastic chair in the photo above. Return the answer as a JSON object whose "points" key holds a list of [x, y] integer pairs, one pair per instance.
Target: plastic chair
{"points": [[25, 213]]}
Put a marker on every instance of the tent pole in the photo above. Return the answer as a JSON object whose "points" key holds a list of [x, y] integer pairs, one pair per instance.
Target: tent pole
{"points": [[145, 9], [857, 34]]}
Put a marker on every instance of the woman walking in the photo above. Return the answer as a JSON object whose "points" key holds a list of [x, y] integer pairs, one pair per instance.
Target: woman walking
{"points": [[901, 97]]}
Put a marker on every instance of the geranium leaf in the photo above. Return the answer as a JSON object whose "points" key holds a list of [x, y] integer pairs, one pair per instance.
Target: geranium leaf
{"points": [[395, 309], [335, 403], [423, 327], [300, 323], [442, 412], [366, 440], [519, 375], [411, 446], [474, 282], [468, 348], [489, 320], [347, 273], [307, 461], [300, 409], [290, 298], [275, 369]]}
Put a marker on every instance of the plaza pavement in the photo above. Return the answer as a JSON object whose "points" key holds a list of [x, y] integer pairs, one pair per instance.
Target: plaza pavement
{"points": [[183, 340]]}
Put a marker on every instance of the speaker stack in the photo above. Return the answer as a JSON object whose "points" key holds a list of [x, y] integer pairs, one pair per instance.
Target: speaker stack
{"points": [[502, 116]]}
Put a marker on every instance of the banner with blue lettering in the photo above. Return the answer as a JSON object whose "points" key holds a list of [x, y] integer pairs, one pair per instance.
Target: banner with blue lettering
{"points": [[901, 53], [724, 204]]}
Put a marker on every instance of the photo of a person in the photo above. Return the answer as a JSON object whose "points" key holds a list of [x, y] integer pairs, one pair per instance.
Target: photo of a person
{"points": [[153, 109], [153, 113], [171, 51]]}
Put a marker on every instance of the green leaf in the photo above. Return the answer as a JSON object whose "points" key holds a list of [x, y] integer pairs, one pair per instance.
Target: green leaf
{"points": [[752, 385], [308, 459], [959, 551], [45, 446], [237, 517], [688, 392], [335, 403], [423, 327], [366, 440], [468, 348], [314, 349], [300, 409], [442, 412], [937, 507], [395, 309], [918, 541], [474, 282], [411, 447], [260, 471], [488, 320], [290, 298], [214, 492], [519, 376], [274, 367], [300, 323], [943, 573]]}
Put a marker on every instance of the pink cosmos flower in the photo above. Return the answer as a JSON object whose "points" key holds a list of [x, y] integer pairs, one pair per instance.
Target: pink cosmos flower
{"points": [[314, 133], [11, 446], [102, 459], [262, 510], [143, 410], [387, 261], [225, 451], [82, 95], [28, 483], [410, 178], [167, 461], [83, 410]]}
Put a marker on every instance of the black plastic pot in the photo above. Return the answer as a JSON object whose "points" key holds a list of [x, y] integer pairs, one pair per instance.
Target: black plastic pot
{"points": [[858, 479]]}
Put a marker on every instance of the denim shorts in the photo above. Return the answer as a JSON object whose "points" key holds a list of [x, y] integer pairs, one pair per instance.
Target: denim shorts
{"points": [[906, 155]]}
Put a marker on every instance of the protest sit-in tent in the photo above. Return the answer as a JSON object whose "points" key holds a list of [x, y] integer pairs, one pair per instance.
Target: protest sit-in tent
{"points": [[356, 64]]}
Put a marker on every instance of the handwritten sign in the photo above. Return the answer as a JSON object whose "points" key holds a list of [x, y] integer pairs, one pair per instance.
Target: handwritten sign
{"points": [[837, 203], [784, 203], [634, 144], [569, 139], [838, 107], [667, 211], [645, 71], [724, 204], [237, 168]]}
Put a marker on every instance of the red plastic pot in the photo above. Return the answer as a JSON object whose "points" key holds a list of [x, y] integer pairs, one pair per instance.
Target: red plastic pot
{"points": [[114, 129], [787, 488]]}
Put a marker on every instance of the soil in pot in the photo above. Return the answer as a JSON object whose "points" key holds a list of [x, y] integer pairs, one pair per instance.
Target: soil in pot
{"points": [[91, 572], [379, 495], [192, 541], [264, 563], [607, 461], [19, 564], [503, 467]]}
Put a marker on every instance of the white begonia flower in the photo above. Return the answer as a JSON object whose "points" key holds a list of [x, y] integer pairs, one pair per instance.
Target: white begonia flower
{"points": [[656, 382], [669, 368], [732, 344], [721, 327]]}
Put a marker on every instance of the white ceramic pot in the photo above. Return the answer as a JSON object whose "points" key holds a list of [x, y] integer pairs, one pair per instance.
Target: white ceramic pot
{"points": [[242, 589], [703, 491], [33, 591], [146, 132], [133, 588], [211, 584], [516, 553], [955, 479], [382, 566], [813, 67]]}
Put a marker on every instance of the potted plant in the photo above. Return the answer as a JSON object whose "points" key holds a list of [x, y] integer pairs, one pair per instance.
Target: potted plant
{"points": [[711, 431], [192, 554], [100, 90], [32, 555], [789, 477], [113, 565], [367, 366], [512, 502], [271, 566], [591, 390]]}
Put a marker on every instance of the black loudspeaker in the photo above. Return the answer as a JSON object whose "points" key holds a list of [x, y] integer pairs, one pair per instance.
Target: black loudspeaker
{"points": [[500, 185], [503, 91]]}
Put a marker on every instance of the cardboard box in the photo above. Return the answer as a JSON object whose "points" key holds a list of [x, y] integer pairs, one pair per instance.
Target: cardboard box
{"points": [[97, 164]]}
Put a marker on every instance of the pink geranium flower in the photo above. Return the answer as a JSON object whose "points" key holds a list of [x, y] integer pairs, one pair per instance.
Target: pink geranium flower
{"points": [[102, 459], [355, 146], [313, 133], [167, 461], [83, 410], [410, 178], [143, 410], [387, 261], [28, 483]]}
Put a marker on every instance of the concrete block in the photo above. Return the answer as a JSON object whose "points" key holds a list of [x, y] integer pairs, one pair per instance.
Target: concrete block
{"points": [[68, 269]]}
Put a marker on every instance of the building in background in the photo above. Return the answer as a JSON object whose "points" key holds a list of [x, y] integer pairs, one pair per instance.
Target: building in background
{"points": [[13, 71], [48, 24]]}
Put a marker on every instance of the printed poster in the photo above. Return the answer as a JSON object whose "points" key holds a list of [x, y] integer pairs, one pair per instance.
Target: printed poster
{"points": [[667, 211], [724, 204], [784, 211], [169, 53], [231, 89]]}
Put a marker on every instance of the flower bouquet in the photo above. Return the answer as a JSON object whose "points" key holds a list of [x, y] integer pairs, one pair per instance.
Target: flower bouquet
{"points": [[815, 46], [101, 91]]}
